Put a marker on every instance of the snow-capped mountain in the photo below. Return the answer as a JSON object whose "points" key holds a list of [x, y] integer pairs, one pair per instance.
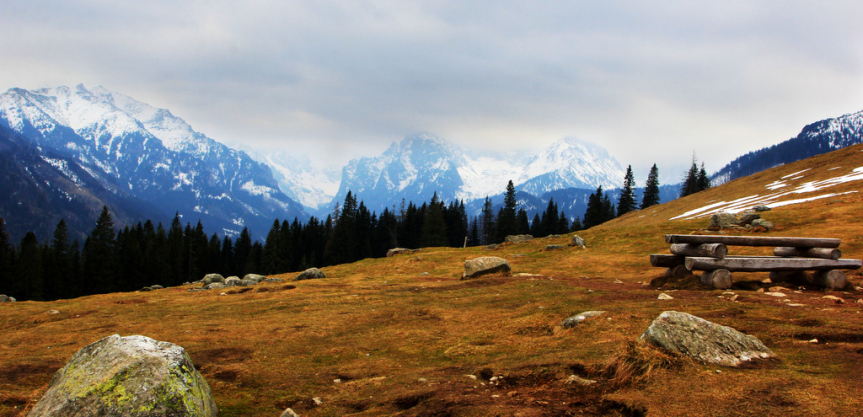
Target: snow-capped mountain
{"points": [[150, 154], [815, 139], [420, 165], [311, 184]]}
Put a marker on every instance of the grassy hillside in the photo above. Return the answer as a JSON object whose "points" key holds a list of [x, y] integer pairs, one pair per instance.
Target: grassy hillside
{"points": [[405, 336]]}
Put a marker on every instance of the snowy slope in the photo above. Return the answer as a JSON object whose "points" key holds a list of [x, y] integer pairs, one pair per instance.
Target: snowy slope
{"points": [[312, 185]]}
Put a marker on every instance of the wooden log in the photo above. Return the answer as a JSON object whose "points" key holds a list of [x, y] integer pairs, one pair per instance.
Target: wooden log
{"points": [[717, 278], [711, 250], [677, 272], [667, 261], [797, 242], [831, 279], [824, 253], [769, 263]]}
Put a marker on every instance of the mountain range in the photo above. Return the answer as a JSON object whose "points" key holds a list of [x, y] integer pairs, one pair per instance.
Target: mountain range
{"points": [[147, 154], [66, 152]]}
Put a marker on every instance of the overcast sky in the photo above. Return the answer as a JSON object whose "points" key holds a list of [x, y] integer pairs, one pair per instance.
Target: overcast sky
{"points": [[652, 82]]}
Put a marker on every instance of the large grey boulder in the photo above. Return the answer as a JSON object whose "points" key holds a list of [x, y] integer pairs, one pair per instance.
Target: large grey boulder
{"points": [[485, 265], [704, 341], [6, 299], [748, 216], [578, 318], [311, 273], [215, 286], [518, 238], [232, 281], [763, 223], [723, 220], [211, 278], [132, 376]]}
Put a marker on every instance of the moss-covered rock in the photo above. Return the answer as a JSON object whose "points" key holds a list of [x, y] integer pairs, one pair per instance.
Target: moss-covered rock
{"points": [[132, 376]]}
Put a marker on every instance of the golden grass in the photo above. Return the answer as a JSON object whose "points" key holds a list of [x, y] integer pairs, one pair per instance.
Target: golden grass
{"points": [[380, 337]]}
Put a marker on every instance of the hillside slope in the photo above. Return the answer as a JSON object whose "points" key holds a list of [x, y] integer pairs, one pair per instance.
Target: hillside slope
{"points": [[405, 336]]}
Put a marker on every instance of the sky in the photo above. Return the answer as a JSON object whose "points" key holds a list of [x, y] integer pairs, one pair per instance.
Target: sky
{"points": [[653, 82]]}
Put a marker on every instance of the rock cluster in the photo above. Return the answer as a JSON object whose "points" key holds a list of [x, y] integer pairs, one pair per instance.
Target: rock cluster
{"points": [[128, 376], [707, 342], [486, 265], [748, 220], [217, 281], [7, 299]]}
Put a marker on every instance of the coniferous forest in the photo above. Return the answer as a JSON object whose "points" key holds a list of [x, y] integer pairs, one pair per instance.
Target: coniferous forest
{"points": [[146, 254]]}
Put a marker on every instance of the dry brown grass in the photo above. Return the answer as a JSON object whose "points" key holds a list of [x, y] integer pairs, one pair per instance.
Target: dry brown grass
{"points": [[400, 342]]}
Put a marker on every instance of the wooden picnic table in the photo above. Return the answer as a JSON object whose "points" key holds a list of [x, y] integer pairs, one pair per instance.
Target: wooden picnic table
{"points": [[709, 253]]}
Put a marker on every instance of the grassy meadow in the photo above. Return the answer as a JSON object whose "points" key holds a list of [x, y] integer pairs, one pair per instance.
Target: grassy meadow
{"points": [[405, 336]]}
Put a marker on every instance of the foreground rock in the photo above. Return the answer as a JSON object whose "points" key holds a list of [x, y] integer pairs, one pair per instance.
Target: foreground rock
{"points": [[128, 376], [704, 341], [311, 273], [580, 317], [486, 265], [211, 278], [578, 241]]}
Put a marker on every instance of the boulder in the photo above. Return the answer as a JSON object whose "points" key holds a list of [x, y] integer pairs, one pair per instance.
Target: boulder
{"points": [[128, 376], [578, 318], [232, 281], [578, 241], [399, 251], [723, 220], [704, 341], [748, 216], [254, 277], [215, 286], [247, 282], [311, 273], [763, 223], [211, 278], [485, 265], [6, 299], [518, 238], [761, 208]]}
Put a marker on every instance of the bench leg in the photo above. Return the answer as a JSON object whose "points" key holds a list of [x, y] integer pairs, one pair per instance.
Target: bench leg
{"points": [[677, 272], [832, 279], [717, 278]]}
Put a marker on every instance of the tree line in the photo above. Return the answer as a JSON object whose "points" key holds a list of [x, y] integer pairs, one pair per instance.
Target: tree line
{"points": [[133, 257]]}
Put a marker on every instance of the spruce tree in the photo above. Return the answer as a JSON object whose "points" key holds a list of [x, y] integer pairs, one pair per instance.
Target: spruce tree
{"points": [[607, 209], [29, 274], [434, 227], [627, 194], [651, 189], [703, 181], [487, 226], [7, 256], [100, 256], [523, 222], [271, 258], [595, 213], [242, 250], [506, 219], [690, 181]]}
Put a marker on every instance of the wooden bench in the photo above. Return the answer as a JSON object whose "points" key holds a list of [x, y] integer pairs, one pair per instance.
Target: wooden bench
{"points": [[792, 256]]}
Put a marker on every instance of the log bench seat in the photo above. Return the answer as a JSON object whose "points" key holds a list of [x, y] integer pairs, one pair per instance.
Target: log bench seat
{"points": [[792, 255]]}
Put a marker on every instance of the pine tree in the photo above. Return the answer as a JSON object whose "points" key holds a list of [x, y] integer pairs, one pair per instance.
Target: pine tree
{"points": [[607, 209], [434, 227], [7, 256], [100, 256], [271, 261], [627, 194], [487, 225], [523, 222], [29, 284], [506, 219], [690, 182], [242, 250], [651, 189], [576, 225], [702, 180], [595, 213]]}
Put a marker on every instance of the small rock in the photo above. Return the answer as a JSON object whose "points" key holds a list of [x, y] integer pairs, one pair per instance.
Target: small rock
{"points": [[795, 305], [492, 246], [664, 296], [860, 301], [761, 208], [733, 297], [53, 312], [578, 241], [289, 413], [834, 298], [274, 280], [518, 238], [318, 401], [578, 318], [577, 380], [779, 289], [763, 223], [813, 341], [254, 277], [617, 281], [775, 294], [554, 247], [215, 286]]}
